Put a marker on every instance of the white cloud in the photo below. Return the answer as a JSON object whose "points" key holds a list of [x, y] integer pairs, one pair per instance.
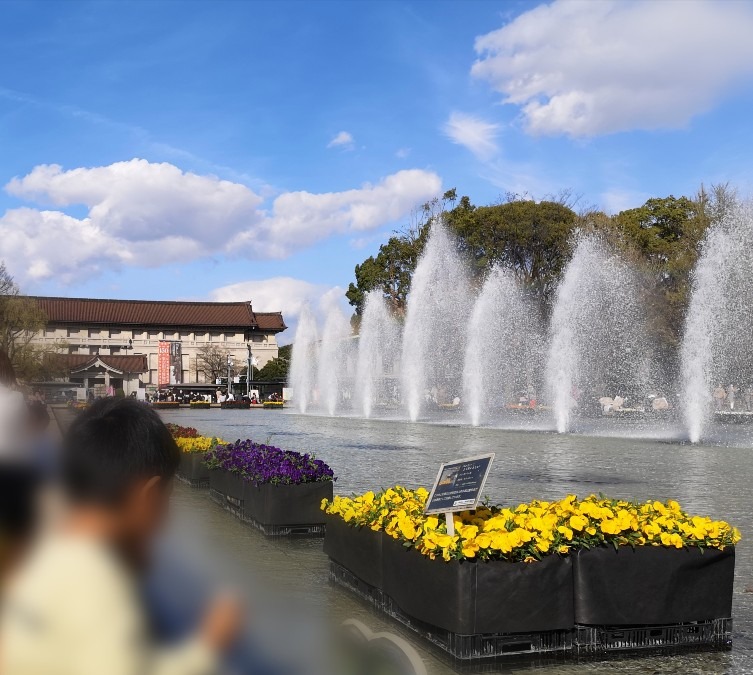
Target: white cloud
{"points": [[305, 217], [474, 133], [140, 201], [145, 214], [402, 153], [343, 140], [586, 68], [285, 294]]}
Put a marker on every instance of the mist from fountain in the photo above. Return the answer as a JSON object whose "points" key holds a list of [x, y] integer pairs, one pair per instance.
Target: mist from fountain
{"points": [[434, 334], [304, 361], [335, 361], [715, 350], [378, 351], [503, 349], [598, 343]]}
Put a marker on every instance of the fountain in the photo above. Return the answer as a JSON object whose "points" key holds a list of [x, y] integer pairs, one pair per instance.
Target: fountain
{"points": [[378, 349], [485, 348], [304, 360], [503, 347], [335, 361], [434, 334], [719, 322], [598, 345]]}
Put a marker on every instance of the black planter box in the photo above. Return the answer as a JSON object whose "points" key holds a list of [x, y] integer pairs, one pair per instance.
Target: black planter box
{"points": [[286, 504], [357, 549], [192, 468], [480, 597], [228, 485], [277, 509], [652, 585]]}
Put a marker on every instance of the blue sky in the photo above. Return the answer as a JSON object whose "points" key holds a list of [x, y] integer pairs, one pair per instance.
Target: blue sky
{"points": [[259, 150]]}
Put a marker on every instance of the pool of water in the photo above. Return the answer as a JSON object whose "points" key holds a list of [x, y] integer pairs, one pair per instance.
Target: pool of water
{"points": [[371, 454]]}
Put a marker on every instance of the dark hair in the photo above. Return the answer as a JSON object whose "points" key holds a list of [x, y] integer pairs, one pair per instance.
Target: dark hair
{"points": [[39, 418], [7, 374], [112, 444]]}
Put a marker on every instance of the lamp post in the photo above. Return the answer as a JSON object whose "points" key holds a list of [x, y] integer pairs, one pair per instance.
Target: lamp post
{"points": [[229, 366], [248, 371], [127, 347]]}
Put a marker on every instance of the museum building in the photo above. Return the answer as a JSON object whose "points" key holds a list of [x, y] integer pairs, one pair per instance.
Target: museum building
{"points": [[136, 344]]}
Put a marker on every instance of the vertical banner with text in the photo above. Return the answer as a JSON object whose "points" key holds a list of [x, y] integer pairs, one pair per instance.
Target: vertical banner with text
{"points": [[163, 364]]}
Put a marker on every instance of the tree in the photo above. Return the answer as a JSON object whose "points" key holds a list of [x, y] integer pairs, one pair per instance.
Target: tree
{"points": [[533, 239], [277, 369], [392, 268], [21, 319], [661, 238], [212, 361]]}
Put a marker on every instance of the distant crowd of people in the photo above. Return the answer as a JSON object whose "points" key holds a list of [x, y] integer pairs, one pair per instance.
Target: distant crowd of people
{"points": [[726, 397], [218, 396]]}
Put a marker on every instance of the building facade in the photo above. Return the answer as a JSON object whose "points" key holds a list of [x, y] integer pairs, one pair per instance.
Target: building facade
{"points": [[146, 343]]}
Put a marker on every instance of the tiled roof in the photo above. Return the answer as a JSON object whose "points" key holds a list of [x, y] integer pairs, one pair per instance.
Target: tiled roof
{"points": [[158, 313], [131, 363]]}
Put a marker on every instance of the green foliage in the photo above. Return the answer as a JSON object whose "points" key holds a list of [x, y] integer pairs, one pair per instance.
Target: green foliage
{"points": [[276, 369], [531, 238], [391, 271], [660, 239]]}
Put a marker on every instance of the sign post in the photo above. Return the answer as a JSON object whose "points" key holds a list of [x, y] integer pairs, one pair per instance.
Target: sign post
{"points": [[458, 487]]}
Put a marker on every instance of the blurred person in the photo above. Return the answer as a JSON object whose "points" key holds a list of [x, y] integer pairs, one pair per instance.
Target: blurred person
{"points": [[18, 476], [73, 606], [12, 410]]}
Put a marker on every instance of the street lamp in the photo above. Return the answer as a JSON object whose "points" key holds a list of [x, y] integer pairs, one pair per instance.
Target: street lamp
{"points": [[126, 348], [248, 371], [229, 366]]}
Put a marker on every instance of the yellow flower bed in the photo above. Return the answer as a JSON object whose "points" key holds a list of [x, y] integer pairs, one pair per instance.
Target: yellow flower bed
{"points": [[198, 444], [530, 531]]}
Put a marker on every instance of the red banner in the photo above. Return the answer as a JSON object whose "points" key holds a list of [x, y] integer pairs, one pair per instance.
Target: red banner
{"points": [[163, 364]]}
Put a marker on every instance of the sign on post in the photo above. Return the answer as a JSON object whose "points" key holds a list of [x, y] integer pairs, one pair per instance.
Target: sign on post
{"points": [[458, 487]]}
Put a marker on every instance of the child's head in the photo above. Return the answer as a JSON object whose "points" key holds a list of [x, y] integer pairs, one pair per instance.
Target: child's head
{"points": [[119, 459]]}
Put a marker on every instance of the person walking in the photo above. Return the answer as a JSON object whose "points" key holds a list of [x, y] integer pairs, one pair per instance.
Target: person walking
{"points": [[731, 391], [719, 396]]}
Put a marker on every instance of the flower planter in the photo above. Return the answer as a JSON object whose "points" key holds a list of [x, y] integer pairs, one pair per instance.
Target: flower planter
{"points": [[357, 549], [235, 405], [200, 406], [480, 597], [275, 509], [227, 485], [652, 585], [192, 468], [279, 505]]}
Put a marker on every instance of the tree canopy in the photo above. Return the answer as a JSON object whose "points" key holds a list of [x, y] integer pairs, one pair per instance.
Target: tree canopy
{"points": [[535, 240]]}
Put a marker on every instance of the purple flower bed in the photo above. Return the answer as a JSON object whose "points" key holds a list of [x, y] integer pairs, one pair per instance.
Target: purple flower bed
{"points": [[261, 464]]}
